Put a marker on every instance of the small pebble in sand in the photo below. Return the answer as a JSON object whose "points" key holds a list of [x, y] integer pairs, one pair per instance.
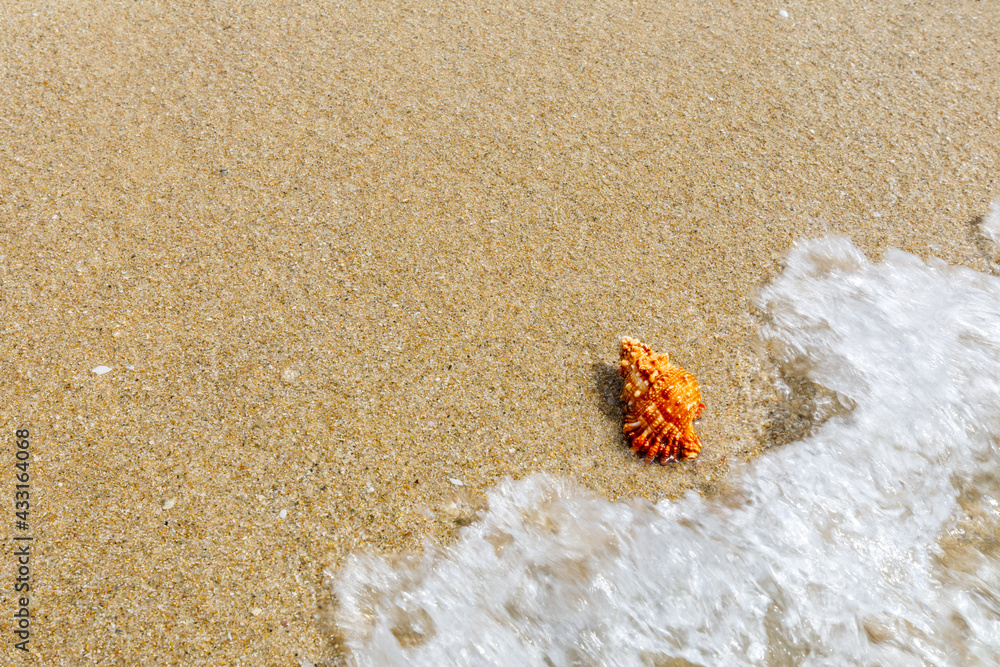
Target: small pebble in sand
{"points": [[101, 370], [282, 514], [456, 482], [783, 13], [169, 503]]}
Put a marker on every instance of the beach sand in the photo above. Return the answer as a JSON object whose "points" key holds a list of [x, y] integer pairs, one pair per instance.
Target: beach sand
{"points": [[353, 264]]}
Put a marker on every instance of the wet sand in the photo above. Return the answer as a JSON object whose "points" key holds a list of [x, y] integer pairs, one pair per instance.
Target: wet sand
{"points": [[352, 265]]}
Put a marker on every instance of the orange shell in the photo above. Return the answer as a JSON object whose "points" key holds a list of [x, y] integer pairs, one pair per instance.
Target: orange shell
{"points": [[661, 402]]}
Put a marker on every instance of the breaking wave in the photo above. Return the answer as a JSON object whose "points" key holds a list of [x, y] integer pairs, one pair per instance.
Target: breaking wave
{"points": [[876, 539]]}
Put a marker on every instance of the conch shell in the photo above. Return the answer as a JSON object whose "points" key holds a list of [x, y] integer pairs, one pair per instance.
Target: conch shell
{"points": [[661, 402]]}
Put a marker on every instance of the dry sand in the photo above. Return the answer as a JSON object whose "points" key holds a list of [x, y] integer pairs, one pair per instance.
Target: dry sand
{"points": [[339, 254]]}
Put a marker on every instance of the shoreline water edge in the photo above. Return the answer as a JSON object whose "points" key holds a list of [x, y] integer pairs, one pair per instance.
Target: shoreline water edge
{"points": [[285, 284]]}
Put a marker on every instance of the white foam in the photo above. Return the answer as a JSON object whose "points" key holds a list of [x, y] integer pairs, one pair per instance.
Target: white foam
{"points": [[837, 549]]}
